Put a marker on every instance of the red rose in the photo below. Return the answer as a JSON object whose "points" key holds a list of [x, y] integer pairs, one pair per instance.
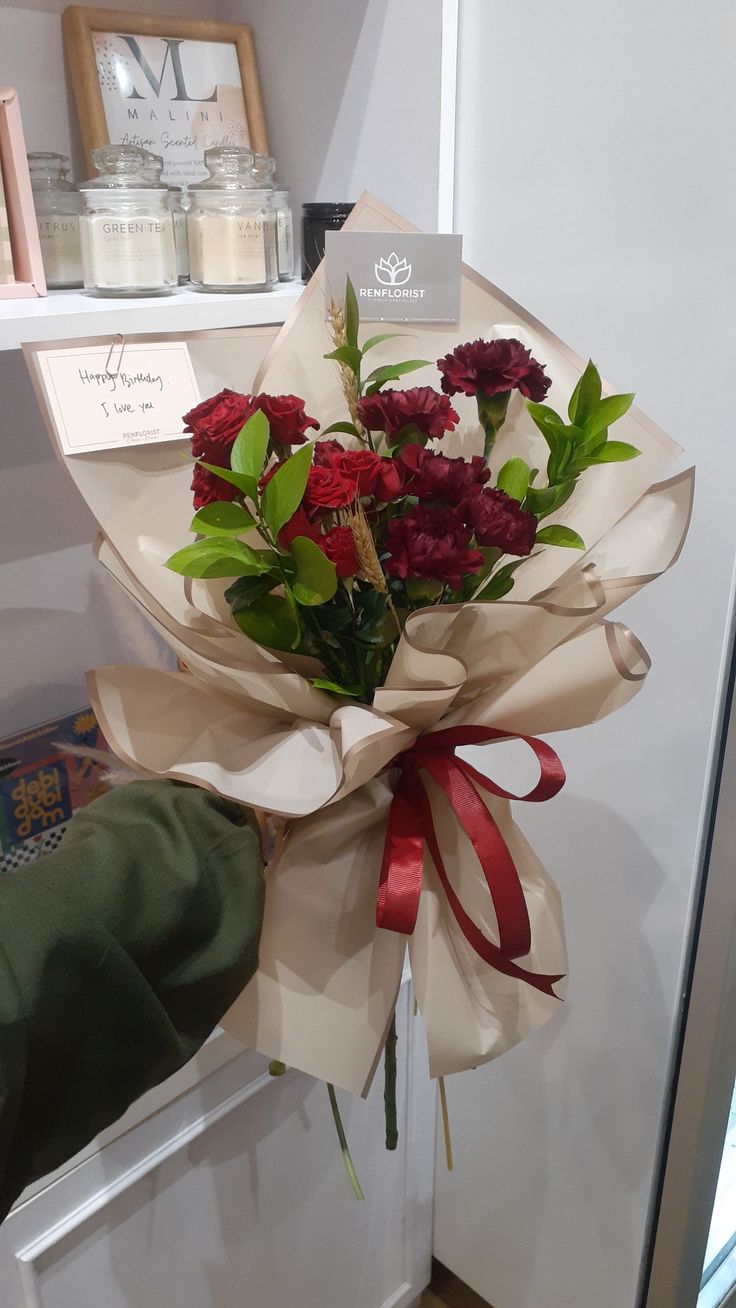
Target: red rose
{"points": [[329, 488], [299, 525], [339, 546], [420, 408], [431, 542], [327, 453], [390, 482], [500, 521], [360, 466], [208, 488], [493, 368], [216, 422], [287, 418], [435, 477]]}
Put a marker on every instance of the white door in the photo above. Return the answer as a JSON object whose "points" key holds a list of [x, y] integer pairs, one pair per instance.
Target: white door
{"points": [[595, 185]]}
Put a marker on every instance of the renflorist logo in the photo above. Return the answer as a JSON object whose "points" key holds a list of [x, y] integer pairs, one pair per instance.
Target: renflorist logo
{"points": [[392, 271]]}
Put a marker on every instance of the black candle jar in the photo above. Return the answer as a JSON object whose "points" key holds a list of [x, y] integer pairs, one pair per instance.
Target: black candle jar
{"points": [[316, 220]]}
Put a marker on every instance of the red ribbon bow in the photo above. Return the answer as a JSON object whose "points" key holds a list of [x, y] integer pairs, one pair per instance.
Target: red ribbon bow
{"points": [[410, 825]]}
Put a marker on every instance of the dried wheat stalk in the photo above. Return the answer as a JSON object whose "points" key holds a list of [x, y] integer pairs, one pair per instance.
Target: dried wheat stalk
{"points": [[347, 376]]}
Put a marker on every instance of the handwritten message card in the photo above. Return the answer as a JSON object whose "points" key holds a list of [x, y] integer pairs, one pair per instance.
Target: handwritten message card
{"points": [[103, 398]]}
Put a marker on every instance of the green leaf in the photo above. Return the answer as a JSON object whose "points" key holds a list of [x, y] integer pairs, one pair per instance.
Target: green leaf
{"points": [[352, 314], [321, 683], [501, 582], [222, 519], [216, 556], [541, 413], [558, 535], [285, 491], [248, 454], [271, 621], [614, 452], [543, 500], [586, 395], [606, 412], [514, 479], [238, 479], [315, 581], [347, 427], [377, 340], [246, 590], [347, 354], [392, 372]]}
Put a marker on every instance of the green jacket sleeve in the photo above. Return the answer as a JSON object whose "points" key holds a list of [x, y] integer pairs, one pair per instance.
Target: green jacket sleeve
{"points": [[119, 952]]}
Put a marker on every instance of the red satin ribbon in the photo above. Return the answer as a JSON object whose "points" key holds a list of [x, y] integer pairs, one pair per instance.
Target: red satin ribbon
{"points": [[410, 825]]}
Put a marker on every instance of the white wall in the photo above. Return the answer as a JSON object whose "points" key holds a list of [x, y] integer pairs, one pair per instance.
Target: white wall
{"points": [[595, 184], [351, 95]]}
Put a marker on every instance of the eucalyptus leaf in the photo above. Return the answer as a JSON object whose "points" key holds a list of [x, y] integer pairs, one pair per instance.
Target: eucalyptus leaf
{"points": [[223, 518], [377, 340], [392, 372], [348, 428], [239, 479], [348, 354], [217, 556], [284, 492], [315, 580], [322, 683], [614, 452], [248, 454], [514, 479], [270, 621], [352, 314], [559, 535], [585, 396], [607, 411]]}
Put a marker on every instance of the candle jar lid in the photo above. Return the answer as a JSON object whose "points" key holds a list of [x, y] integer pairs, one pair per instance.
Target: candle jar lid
{"points": [[320, 209], [263, 169], [230, 169], [48, 171], [153, 166], [121, 167]]}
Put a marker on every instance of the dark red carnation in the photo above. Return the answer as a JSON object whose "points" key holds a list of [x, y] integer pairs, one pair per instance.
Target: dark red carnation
{"points": [[493, 368], [299, 525], [207, 488], [329, 488], [420, 408], [435, 477], [339, 546], [431, 542], [501, 522], [216, 422], [288, 422]]}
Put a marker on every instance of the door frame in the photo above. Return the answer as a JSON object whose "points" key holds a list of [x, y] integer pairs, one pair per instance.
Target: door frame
{"points": [[703, 1061]]}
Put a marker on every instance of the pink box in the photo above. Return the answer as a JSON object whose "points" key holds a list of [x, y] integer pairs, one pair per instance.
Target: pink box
{"points": [[26, 248]]}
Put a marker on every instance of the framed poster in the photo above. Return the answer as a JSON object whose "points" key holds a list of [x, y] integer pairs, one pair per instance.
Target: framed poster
{"points": [[173, 86]]}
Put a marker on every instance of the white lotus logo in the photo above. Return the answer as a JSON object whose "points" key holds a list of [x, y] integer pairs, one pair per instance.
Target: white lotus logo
{"points": [[392, 271]]}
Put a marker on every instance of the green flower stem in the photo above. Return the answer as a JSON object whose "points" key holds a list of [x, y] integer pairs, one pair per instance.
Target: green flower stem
{"points": [[389, 1093], [346, 1157], [492, 415]]}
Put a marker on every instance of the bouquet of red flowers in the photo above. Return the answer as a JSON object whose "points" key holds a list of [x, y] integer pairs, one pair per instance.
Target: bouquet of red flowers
{"points": [[433, 571]]}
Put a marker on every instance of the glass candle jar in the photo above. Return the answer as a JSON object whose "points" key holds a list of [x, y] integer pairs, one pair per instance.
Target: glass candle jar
{"points": [[316, 220], [178, 203], [284, 233], [57, 203], [231, 226], [127, 229]]}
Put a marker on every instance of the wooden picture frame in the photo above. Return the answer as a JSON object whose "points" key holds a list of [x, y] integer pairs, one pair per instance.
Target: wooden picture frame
{"points": [[135, 82], [21, 265]]}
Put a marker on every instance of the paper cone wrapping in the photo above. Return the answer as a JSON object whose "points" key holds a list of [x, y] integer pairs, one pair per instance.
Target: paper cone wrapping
{"points": [[241, 723]]}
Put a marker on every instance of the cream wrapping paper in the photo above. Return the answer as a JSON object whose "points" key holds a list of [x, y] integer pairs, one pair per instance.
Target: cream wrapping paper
{"points": [[242, 723]]}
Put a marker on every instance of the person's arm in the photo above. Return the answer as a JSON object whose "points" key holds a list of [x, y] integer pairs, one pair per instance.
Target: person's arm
{"points": [[119, 952]]}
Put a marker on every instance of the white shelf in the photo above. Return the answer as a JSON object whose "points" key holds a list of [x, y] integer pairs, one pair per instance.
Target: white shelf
{"points": [[62, 315]]}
